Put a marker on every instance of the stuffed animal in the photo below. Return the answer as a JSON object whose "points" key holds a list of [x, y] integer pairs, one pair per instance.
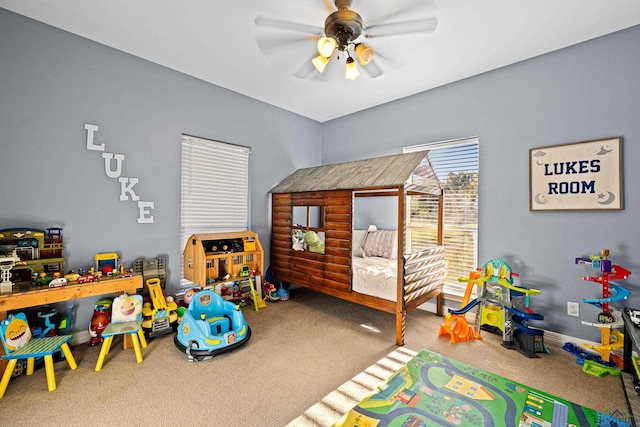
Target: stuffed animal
{"points": [[297, 240], [314, 244]]}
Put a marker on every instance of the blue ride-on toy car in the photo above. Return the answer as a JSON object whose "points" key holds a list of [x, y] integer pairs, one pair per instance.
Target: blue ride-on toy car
{"points": [[211, 326]]}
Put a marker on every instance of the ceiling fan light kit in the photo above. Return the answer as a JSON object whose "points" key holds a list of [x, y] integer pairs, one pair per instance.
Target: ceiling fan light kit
{"points": [[341, 29], [344, 34]]}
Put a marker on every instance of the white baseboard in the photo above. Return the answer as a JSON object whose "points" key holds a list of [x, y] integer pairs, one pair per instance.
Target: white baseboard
{"points": [[552, 338], [80, 337]]}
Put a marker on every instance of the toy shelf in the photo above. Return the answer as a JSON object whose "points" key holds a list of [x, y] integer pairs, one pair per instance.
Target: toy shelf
{"points": [[214, 258]]}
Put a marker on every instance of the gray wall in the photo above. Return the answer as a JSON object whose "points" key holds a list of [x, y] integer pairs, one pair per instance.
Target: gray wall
{"points": [[52, 83], [584, 92]]}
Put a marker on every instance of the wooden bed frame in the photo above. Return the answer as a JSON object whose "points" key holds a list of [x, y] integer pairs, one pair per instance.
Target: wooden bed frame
{"points": [[330, 273]]}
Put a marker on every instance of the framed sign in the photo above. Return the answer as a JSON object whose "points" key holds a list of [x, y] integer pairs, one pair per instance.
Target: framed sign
{"points": [[579, 176]]}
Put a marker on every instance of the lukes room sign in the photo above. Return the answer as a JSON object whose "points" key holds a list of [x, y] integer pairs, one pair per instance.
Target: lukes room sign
{"points": [[579, 176]]}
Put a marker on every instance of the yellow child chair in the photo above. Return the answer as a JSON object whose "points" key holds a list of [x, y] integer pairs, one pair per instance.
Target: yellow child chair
{"points": [[126, 319], [18, 344]]}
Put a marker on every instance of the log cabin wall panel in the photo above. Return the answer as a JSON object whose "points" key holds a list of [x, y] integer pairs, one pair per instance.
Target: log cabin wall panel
{"points": [[307, 268]]}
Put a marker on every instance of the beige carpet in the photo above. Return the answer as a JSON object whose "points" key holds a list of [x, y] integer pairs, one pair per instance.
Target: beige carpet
{"points": [[340, 401], [301, 351]]}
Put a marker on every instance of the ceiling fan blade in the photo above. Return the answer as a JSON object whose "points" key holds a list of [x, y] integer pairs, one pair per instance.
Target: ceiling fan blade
{"points": [[426, 25], [271, 23], [403, 11], [283, 42], [329, 5], [373, 69], [378, 66], [306, 70]]}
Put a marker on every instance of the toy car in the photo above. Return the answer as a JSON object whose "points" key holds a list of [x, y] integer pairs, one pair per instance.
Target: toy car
{"points": [[211, 326], [634, 315], [42, 279], [58, 282], [72, 276], [86, 279]]}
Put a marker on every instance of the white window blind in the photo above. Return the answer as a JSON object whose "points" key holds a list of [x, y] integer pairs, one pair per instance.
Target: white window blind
{"points": [[456, 165], [214, 188]]}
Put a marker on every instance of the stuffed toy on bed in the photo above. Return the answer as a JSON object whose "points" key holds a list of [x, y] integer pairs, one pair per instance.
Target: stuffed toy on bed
{"points": [[297, 241], [314, 244]]}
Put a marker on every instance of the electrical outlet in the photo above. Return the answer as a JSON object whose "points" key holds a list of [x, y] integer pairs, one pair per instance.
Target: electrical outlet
{"points": [[573, 309]]}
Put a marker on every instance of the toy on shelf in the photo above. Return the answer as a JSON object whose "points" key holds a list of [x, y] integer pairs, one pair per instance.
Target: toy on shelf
{"points": [[211, 326], [38, 251], [159, 317], [609, 320], [501, 305], [8, 259], [107, 263]]}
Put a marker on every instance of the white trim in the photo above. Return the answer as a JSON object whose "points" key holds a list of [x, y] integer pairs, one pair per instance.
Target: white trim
{"points": [[550, 337]]}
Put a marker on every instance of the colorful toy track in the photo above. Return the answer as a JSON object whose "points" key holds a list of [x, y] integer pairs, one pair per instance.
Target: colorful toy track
{"points": [[608, 319], [501, 305]]}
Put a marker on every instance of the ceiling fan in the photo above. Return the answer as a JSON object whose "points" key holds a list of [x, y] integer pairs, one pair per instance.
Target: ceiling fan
{"points": [[343, 36]]}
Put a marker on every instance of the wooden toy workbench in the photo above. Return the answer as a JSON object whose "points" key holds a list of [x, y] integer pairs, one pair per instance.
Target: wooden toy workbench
{"points": [[31, 296]]}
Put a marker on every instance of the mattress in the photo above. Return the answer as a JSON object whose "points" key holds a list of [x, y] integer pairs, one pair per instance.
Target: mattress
{"points": [[375, 276]]}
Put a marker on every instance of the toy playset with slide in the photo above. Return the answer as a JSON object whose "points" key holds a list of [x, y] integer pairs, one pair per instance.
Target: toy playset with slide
{"points": [[501, 305]]}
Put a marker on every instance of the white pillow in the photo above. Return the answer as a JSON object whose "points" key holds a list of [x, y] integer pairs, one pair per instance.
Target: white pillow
{"points": [[381, 243], [357, 238]]}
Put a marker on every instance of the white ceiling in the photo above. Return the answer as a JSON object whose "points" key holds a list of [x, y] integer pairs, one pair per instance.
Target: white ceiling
{"points": [[215, 41]]}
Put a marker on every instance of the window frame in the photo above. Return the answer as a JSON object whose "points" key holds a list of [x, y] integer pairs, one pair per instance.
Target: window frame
{"points": [[461, 153], [215, 191]]}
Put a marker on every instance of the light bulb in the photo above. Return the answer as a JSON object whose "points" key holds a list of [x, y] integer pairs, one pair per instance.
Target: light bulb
{"points": [[365, 54], [351, 72], [326, 46], [320, 62]]}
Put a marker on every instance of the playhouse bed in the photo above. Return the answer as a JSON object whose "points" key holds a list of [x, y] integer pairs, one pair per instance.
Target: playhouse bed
{"points": [[321, 199]]}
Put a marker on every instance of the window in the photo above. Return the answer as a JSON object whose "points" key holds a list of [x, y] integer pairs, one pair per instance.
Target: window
{"points": [[456, 165], [308, 217], [215, 187]]}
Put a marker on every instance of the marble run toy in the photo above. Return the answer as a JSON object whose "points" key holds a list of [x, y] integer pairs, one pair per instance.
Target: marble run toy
{"points": [[501, 305], [610, 291], [609, 319]]}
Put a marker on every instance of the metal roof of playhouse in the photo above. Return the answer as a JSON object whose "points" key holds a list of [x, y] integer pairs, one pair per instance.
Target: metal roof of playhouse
{"points": [[411, 170]]}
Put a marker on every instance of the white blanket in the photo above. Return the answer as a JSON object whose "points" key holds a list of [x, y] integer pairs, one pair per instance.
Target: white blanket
{"points": [[375, 276]]}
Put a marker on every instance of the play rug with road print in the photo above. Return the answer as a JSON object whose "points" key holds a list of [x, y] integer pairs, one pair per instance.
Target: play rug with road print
{"points": [[432, 389]]}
